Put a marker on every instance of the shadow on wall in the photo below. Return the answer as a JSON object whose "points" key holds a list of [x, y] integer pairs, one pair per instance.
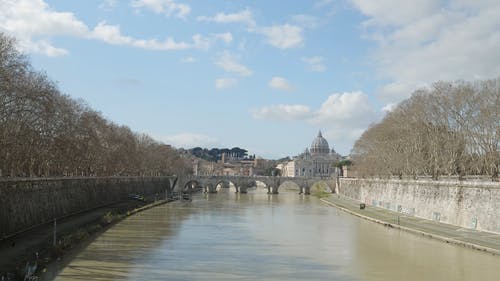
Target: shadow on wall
{"points": [[29, 202]]}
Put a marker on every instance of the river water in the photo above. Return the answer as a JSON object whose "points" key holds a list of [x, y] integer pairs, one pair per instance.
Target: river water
{"points": [[256, 236]]}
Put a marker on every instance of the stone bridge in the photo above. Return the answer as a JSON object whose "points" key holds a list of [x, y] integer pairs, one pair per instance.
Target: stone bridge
{"points": [[209, 184]]}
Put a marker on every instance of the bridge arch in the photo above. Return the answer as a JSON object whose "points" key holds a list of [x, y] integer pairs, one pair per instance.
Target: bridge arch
{"points": [[262, 185], [323, 185], [224, 183], [191, 184], [289, 185]]}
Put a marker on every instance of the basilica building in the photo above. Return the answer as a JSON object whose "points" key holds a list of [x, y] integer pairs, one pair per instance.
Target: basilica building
{"points": [[317, 161]]}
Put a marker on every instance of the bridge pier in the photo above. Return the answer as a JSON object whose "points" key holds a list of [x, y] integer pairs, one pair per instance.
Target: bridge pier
{"points": [[307, 190], [244, 184], [211, 188], [275, 190], [169, 191]]}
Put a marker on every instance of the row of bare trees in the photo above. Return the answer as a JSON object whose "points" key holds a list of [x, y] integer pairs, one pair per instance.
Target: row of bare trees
{"points": [[447, 129], [45, 133]]}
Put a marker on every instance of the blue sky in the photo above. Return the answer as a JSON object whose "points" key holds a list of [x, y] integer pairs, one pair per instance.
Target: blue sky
{"points": [[263, 75]]}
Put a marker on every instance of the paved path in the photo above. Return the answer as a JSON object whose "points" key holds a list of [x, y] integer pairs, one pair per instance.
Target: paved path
{"points": [[485, 241]]}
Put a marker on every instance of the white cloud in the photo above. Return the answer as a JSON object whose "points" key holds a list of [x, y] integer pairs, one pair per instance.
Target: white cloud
{"points": [[280, 83], [27, 19], [34, 24], [34, 18], [434, 40], [201, 42], [166, 7], [282, 112], [306, 21], [108, 4], [395, 11], [389, 107], [354, 108], [225, 83], [244, 17], [344, 116], [227, 37], [395, 91], [42, 47], [315, 64], [189, 140], [283, 36], [229, 63], [111, 34], [329, 6]]}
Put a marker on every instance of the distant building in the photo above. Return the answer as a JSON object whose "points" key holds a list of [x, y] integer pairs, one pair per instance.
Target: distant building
{"points": [[318, 161], [229, 165], [203, 167]]}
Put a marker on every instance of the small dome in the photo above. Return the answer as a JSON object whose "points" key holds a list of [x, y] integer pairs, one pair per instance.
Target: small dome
{"points": [[320, 145]]}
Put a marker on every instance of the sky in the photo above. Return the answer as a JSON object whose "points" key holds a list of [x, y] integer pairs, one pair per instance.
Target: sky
{"points": [[261, 75]]}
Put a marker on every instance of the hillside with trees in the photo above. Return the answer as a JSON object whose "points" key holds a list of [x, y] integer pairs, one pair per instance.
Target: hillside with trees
{"points": [[448, 129], [46, 133], [215, 154]]}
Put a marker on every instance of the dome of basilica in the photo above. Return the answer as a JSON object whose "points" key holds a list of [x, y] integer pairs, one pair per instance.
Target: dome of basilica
{"points": [[320, 145]]}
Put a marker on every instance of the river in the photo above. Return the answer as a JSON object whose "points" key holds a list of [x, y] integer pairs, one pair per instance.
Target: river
{"points": [[256, 236]]}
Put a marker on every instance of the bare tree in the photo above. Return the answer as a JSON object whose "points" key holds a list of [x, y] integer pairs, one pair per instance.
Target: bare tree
{"points": [[45, 133], [448, 129]]}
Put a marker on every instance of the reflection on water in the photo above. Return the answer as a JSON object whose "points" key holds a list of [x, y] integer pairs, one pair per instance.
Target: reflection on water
{"points": [[256, 236]]}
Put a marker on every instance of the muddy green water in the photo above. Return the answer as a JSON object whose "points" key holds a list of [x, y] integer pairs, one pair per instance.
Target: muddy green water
{"points": [[256, 236]]}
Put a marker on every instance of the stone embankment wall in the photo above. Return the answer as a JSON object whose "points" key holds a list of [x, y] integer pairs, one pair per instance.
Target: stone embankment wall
{"points": [[28, 202], [474, 205]]}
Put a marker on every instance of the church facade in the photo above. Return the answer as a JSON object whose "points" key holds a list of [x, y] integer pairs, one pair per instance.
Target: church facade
{"points": [[316, 161]]}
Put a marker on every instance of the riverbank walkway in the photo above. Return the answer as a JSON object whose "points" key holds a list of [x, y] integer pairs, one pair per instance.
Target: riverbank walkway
{"points": [[480, 240]]}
